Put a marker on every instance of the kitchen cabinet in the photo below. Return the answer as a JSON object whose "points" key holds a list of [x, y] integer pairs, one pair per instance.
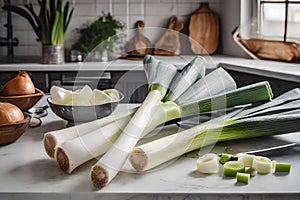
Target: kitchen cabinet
{"points": [[132, 84], [40, 79], [278, 86]]}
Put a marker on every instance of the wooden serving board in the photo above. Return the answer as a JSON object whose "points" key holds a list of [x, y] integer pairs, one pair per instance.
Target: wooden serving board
{"points": [[169, 43], [139, 44], [204, 30]]}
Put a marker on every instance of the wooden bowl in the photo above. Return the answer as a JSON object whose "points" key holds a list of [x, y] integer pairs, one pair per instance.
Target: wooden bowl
{"points": [[11, 132], [24, 102]]}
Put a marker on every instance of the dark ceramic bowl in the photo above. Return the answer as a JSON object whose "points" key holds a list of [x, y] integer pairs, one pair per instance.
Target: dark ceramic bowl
{"points": [[76, 114]]}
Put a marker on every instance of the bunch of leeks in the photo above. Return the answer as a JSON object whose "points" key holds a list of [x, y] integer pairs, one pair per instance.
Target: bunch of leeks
{"points": [[97, 137], [110, 163], [72, 153]]}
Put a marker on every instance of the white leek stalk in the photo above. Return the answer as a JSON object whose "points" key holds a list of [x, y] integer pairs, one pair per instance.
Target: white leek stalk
{"points": [[54, 138], [111, 162], [77, 151]]}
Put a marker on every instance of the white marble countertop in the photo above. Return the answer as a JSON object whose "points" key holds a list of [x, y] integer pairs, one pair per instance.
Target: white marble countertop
{"points": [[272, 69], [27, 172]]}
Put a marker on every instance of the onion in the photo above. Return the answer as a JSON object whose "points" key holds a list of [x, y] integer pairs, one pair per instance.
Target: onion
{"points": [[10, 114], [20, 85]]}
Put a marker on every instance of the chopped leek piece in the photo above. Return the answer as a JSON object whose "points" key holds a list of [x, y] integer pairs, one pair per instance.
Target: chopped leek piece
{"points": [[231, 168], [225, 158], [262, 164], [242, 177], [251, 171], [283, 167], [247, 159], [208, 164]]}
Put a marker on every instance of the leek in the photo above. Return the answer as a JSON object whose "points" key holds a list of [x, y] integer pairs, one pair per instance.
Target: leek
{"points": [[283, 167], [192, 72], [247, 159], [231, 168], [159, 151], [111, 162], [208, 86], [251, 171], [164, 112], [263, 165], [243, 177], [54, 138], [72, 153], [208, 164]]}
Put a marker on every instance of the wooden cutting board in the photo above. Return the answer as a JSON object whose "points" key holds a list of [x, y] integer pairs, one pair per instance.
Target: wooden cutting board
{"points": [[204, 30], [139, 45], [169, 43]]}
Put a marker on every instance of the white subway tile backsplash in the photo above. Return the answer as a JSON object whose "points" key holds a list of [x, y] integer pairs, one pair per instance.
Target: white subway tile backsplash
{"points": [[102, 7], [119, 9], [34, 50], [85, 10], [83, 1], [160, 10], [155, 14], [20, 23], [102, 1], [184, 9], [25, 38], [135, 9]]}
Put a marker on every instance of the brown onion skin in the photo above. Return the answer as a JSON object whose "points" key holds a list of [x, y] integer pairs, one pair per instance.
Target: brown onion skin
{"points": [[10, 114], [20, 85]]}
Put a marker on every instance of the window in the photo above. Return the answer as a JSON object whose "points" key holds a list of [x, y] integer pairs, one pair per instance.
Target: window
{"points": [[279, 19]]}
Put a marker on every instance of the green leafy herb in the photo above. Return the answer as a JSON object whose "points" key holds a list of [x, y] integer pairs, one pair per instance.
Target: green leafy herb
{"points": [[97, 32]]}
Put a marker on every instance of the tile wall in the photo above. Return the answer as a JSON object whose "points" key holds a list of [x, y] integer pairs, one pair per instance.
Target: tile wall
{"points": [[155, 13]]}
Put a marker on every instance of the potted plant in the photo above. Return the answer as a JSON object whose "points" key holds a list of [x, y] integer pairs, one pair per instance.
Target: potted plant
{"points": [[49, 24], [100, 36]]}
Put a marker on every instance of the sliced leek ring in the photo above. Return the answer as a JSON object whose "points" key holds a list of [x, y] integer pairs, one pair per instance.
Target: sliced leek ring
{"points": [[231, 168], [263, 165], [247, 159], [208, 164]]}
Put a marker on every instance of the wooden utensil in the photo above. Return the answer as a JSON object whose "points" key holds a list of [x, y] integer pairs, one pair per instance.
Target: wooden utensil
{"points": [[204, 30], [139, 44], [169, 43]]}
